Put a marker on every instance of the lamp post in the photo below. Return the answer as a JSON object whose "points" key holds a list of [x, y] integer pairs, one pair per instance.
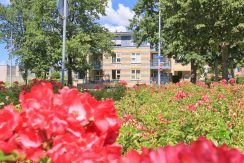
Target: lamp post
{"points": [[10, 55], [64, 39], [159, 44]]}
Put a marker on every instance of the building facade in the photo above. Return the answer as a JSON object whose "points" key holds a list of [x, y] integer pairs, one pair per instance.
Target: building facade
{"points": [[135, 64], [15, 74]]}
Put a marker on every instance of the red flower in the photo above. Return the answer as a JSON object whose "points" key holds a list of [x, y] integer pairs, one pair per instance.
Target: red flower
{"points": [[9, 119], [123, 82], [205, 99], [106, 120], [223, 81], [201, 151], [231, 81], [192, 107], [6, 147], [180, 95], [98, 87], [16, 82], [2, 83], [162, 119], [128, 117], [30, 138], [221, 96]]}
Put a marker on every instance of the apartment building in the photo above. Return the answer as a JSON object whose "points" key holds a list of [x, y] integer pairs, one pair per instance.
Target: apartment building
{"points": [[15, 74], [135, 64]]}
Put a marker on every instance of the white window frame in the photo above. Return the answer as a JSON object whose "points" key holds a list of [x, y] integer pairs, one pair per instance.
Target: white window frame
{"points": [[135, 74], [117, 58], [117, 74], [136, 58]]}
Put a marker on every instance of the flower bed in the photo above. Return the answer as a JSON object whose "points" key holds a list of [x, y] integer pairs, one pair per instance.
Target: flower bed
{"points": [[155, 117], [10, 95], [70, 126]]}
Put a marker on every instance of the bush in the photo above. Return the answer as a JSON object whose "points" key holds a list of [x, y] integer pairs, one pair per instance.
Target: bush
{"points": [[70, 126], [9, 95], [240, 80], [158, 116], [56, 76], [115, 93]]}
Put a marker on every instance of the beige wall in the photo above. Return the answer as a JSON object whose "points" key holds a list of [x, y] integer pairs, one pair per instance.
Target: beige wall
{"points": [[241, 73], [3, 73], [16, 76], [126, 66], [179, 67]]}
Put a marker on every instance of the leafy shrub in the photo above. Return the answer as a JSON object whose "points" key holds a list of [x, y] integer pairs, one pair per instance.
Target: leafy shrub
{"points": [[182, 112], [9, 95], [240, 80], [73, 127], [115, 93], [56, 76]]}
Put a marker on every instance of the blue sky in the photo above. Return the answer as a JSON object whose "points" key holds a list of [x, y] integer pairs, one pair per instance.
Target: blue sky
{"points": [[117, 19]]}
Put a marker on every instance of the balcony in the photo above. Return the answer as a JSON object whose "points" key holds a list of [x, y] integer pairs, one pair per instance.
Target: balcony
{"points": [[96, 66], [163, 65]]}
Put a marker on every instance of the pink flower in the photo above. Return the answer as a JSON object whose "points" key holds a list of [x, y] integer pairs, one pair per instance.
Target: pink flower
{"points": [[200, 151], [231, 81], [128, 117], [223, 81], [221, 96], [123, 82], [205, 99], [162, 119], [9, 120], [192, 107], [98, 87], [181, 95]]}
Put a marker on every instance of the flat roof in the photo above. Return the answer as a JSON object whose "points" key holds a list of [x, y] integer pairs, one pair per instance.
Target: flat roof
{"points": [[122, 33]]}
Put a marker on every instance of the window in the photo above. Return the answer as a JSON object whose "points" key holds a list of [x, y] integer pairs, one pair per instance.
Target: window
{"points": [[177, 60], [116, 58], [136, 58], [135, 74], [115, 74]]}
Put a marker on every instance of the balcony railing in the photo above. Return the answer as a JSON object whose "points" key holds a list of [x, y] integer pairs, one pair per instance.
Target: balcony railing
{"points": [[163, 65], [97, 66]]}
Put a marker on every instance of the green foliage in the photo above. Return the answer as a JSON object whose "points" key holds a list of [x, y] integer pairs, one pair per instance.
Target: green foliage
{"points": [[37, 34], [55, 75], [159, 119], [9, 95], [8, 158], [240, 80], [193, 30], [116, 93]]}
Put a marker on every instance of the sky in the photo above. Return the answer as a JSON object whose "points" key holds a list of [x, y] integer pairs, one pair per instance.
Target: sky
{"points": [[118, 13]]}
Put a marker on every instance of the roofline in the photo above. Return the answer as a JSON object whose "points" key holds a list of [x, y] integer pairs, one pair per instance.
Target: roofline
{"points": [[122, 33]]}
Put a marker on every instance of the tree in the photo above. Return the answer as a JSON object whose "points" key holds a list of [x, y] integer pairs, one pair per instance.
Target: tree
{"points": [[182, 32], [193, 29], [39, 45], [33, 39], [226, 27]]}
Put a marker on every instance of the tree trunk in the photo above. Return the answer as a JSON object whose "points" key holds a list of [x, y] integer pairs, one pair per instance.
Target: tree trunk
{"points": [[225, 56], [70, 79], [45, 75], [26, 76], [193, 72], [216, 71], [232, 70]]}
